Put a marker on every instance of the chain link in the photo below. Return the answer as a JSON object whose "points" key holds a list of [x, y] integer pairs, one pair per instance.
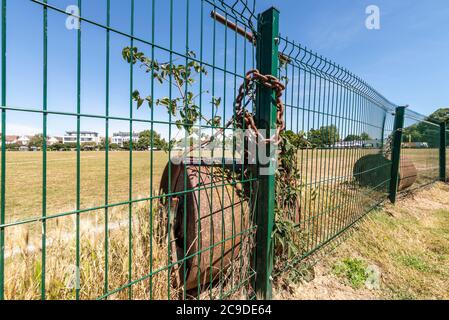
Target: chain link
{"points": [[248, 89]]}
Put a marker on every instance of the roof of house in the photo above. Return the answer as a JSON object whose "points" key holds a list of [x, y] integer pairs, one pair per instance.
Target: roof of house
{"points": [[125, 134], [11, 138], [81, 132]]}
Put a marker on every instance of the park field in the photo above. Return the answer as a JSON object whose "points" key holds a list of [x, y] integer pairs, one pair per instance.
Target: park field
{"points": [[24, 177], [24, 183], [133, 250]]}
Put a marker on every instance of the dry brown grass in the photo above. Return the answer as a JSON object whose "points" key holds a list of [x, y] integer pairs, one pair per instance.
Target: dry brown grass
{"points": [[409, 242], [23, 267], [24, 201], [144, 264]]}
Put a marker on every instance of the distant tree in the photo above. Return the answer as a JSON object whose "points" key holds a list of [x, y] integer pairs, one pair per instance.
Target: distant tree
{"points": [[13, 147], [89, 146], [424, 132], [365, 136], [147, 136], [441, 115], [127, 146], [114, 146], [353, 137], [325, 136], [37, 141], [57, 147], [102, 145], [70, 146]]}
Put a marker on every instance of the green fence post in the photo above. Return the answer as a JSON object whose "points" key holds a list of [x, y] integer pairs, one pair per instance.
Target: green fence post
{"points": [[267, 63], [396, 152], [443, 143]]}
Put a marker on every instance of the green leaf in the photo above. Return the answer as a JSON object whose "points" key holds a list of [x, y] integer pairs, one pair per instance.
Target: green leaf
{"points": [[216, 102]]}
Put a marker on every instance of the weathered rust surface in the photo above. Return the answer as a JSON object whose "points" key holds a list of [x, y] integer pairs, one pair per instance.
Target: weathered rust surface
{"points": [[374, 171], [407, 174], [215, 214]]}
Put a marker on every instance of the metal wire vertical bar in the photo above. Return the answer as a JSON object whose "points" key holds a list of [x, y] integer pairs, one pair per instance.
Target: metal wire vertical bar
{"points": [[345, 129], [3, 178], [200, 149], [233, 166], [251, 257], [443, 152], [303, 201], [106, 177], [152, 146], [223, 226], [356, 126], [44, 149], [322, 165], [317, 114], [186, 88], [327, 157], [336, 154], [131, 146], [309, 154], [170, 95], [78, 156], [212, 170], [353, 127]]}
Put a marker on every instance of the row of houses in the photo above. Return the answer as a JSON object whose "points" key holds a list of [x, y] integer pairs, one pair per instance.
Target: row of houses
{"points": [[119, 138], [25, 140], [357, 144]]}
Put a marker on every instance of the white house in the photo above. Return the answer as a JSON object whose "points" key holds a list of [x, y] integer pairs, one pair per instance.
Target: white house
{"points": [[54, 140], [24, 140], [122, 137], [85, 137]]}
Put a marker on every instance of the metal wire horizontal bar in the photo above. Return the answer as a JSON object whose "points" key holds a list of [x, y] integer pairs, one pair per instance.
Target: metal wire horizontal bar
{"points": [[313, 111], [104, 117], [112, 205], [171, 265], [135, 38]]}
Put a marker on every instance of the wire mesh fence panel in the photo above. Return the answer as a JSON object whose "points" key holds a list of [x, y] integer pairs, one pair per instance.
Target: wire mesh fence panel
{"points": [[130, 86], [420, 151], [339, 125]]}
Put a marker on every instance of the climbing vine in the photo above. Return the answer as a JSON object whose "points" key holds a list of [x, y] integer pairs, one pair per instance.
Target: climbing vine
{"points": [[183, 106]]}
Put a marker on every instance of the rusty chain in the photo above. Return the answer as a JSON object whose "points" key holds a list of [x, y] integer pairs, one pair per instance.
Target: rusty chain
{"points": [[248, 89]]}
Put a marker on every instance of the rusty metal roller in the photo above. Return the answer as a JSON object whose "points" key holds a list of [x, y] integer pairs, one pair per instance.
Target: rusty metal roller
{"points": [[407, 174], [374, 170], [216, 213]]}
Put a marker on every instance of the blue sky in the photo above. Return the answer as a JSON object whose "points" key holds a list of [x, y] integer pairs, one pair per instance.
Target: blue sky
{"points": [[406, 60]]}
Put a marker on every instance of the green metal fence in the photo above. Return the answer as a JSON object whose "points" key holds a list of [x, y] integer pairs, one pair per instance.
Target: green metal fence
{"points": [[199, 229], [446, 155], [421, 146], [344, 121]]}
